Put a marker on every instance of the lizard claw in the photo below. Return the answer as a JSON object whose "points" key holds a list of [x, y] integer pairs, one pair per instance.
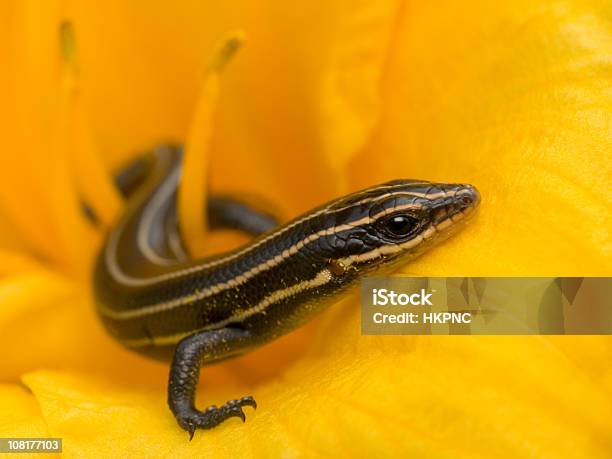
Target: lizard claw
{"points": [[213, 416], [234, 407]]}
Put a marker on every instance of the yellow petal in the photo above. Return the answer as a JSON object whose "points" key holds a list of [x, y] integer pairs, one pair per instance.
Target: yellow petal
{"points": [[405, 396], [20, 223], [20, 414], [13, 263], [49, 322], [92, 177], [93, 181], [24, 296], [37, 189], [304, 98], [512, 99], [299, 102], [10, 239]]}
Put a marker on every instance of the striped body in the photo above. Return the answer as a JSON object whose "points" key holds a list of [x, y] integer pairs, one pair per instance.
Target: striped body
{"points": [[150, 295], [157, 301]]}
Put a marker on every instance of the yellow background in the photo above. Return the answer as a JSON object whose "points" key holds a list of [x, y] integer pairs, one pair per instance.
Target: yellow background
{"points": [[325, 97]]}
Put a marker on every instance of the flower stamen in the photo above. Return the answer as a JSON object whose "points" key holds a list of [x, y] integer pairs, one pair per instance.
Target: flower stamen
{"points": [[193, 188], [93, 180]]}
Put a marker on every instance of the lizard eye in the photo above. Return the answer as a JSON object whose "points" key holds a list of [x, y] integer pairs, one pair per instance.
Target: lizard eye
{"points": [[400, 225]]}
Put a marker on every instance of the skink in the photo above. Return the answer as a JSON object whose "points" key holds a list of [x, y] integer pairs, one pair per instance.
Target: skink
{"points": [[157, 301]]}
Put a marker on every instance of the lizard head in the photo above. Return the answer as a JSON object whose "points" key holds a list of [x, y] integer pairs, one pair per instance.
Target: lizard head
{"points": [[394, 222]]}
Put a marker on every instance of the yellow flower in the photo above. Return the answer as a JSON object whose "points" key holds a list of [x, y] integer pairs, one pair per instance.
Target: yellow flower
{"points": [[512, 96]]}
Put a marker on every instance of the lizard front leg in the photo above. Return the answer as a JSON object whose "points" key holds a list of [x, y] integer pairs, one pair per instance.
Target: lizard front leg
{"points": [[189, 355]]}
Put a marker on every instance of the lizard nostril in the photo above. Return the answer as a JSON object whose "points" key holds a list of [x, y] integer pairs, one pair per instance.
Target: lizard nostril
{"points": [[469, 197], [467, 200]]}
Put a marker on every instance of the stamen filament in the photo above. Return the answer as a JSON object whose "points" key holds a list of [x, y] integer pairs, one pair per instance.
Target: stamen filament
{"points": [[75, 239], [193, 188], [92, 178]]}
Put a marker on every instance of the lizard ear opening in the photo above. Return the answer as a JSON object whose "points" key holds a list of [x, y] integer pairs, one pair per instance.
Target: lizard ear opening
{"points": [[336, 267]]}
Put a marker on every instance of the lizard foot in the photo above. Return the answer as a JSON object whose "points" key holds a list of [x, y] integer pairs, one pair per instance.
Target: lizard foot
{"points": [[213, 416]]}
